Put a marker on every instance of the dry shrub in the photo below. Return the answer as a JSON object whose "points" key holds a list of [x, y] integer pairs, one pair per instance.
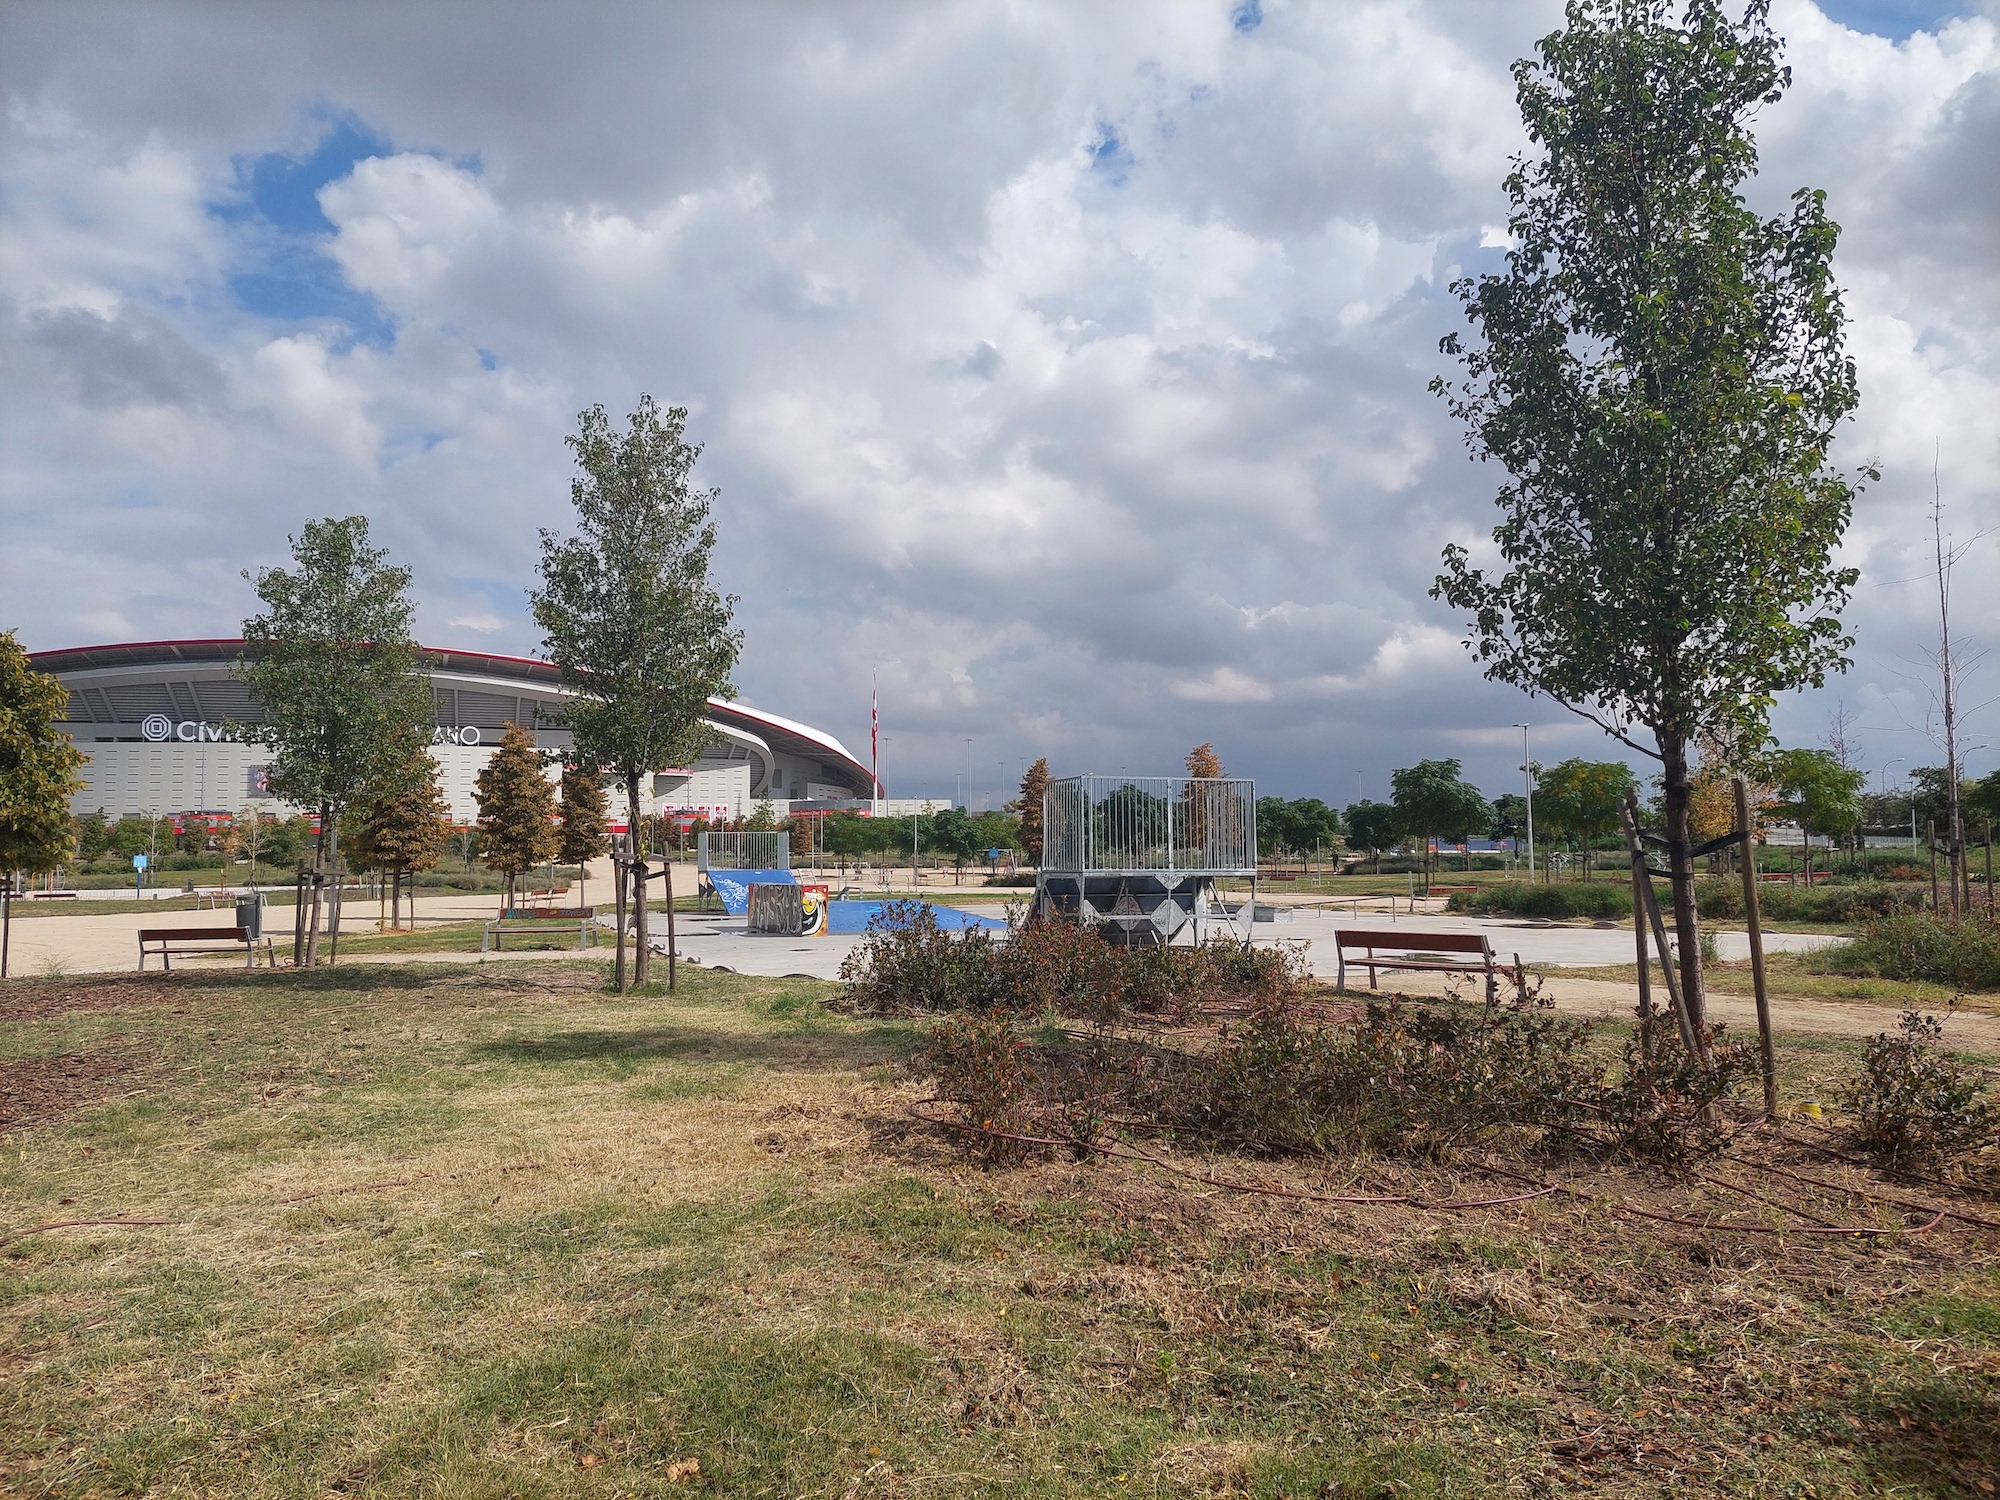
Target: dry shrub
{"points": [[1915, 1104], [1057, 968], [1663, 1107], [984, 1070]]}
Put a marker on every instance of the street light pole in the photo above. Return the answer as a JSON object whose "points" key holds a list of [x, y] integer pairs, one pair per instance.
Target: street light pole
{"points": [[1528, 781]]}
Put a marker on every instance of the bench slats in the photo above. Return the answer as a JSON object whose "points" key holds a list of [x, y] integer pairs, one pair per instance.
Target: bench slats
{"points": [[1413, 942]]}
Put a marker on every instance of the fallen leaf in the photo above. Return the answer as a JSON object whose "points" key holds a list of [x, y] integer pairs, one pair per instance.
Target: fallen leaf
{"points": [[682, 1470], [588, 1460]]}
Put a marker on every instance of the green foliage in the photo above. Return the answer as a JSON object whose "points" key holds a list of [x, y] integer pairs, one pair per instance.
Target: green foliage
{"points": [[37, 766], [1982, 801], [1662, 1106], [1578, 800], [1602, 901], [1822, 793], [628, 613], [1914, 1103], [332, 663], [1723, 897], [93, 836], [1432, 802], [1298, 826], [954, 834], [516, 809], [1963, 953], [1661, 372], [1372, 826]]}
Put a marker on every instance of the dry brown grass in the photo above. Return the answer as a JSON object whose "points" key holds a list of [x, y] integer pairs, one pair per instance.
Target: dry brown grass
{"points": [[457, 1232]]}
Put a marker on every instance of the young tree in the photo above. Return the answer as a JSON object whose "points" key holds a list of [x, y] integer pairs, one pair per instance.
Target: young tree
{"points": [[1431, 801], [1825, 794], [1034, 787], [1579, 800], [517, 809], [1661, 372], [1372, 826], [340, 682], [402, 823], [1203, 761], [583, 820], [37, 775], [628, 613], [952, 831], [249, 838]]}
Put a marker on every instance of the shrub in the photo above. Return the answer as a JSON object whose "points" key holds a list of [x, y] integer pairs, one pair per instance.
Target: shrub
{"points": [[1663, 1107], [1607, 900], [1964, 954], [1915, 1104], [982, 1068], [906, 962], [1829, 903]]}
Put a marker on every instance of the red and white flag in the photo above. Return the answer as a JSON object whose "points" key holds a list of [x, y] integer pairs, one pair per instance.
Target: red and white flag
{"points": [[874, 733]]}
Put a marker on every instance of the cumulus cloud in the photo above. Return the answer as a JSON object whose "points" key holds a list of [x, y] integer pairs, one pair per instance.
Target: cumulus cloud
{"points": [[1062, 368]]}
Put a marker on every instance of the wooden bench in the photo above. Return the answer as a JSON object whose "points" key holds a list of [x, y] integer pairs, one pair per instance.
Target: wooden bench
{"points": [[1451, 890], [167, 941], [581, 919], [1418, 950], [51, 895]]}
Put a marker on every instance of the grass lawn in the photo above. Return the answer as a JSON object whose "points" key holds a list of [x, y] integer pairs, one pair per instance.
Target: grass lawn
{"points": [[452, 1231], [1799, 976]]}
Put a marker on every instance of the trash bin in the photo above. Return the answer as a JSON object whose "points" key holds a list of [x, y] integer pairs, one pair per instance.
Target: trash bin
{"points": [[250, 914]]}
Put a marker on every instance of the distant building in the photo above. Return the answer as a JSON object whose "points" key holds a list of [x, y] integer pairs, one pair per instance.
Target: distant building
{"points": [[154, 719]]}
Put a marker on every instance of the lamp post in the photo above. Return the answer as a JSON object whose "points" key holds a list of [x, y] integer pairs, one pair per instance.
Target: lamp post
{"points": [[1528, 782], [968, 773]]}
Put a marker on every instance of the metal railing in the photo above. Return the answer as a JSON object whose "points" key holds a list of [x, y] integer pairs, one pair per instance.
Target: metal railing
{"points": [[743, 851], [1185, 824]]}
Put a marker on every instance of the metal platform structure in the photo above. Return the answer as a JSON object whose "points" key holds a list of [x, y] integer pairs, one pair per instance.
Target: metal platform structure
{"points": [[1139, 855], [743, 851]]}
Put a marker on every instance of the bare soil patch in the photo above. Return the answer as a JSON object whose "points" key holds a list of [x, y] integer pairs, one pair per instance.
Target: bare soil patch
{"points": [[40, 1090]]}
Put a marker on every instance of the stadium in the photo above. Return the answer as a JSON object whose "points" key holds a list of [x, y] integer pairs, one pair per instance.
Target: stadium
{"points": [[155, 719]]}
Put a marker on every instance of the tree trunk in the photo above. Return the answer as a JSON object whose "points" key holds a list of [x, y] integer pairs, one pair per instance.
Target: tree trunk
{"points": [[318, 879], [642, 954], [333, 902], [1680, 875], [667, 874]]}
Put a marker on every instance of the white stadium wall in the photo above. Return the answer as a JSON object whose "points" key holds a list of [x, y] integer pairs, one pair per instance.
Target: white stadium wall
{"points": [[155, 719]]}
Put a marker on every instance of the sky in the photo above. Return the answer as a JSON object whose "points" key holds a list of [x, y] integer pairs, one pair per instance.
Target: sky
{"points": [[1062, 369]]}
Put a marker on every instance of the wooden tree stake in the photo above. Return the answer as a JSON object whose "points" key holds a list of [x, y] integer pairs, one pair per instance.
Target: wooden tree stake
{"points": [[1746, 844]]}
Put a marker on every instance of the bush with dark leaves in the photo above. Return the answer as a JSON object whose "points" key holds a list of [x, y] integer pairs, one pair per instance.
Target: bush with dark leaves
{"points": [[1916, 1105]]}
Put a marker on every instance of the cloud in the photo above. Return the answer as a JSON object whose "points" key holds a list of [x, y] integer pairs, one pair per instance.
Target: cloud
{"points": [[1062, 367]]}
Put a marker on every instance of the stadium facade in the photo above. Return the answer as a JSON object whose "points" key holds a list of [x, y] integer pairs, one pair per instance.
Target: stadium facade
{"points": [[156, 720]]}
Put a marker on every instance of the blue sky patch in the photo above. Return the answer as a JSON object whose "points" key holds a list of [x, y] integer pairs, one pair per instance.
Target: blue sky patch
{"points": [[283, 271], [1895, 19], [1248, 16], [1108, 157]]}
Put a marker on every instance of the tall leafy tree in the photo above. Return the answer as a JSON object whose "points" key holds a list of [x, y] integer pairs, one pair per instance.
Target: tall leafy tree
{"points": [[340, 681], [1578, 800], [1661, 372], [629, 613], [1034, 787], [37, 772], [583, 819], [517, 809], [1372, 826], [401, 822], [1825, 794], [1432, 801]]}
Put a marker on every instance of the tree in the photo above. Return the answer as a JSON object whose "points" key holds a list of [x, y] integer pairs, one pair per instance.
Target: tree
{"points": [[340, 681], [1825, 795], [1510, 816], [1203, 761], [1431, 801], [93, 836], [1982, 798], [37, 774], [629, 616], [517, 809], [1372, 826], [1297, 826], [1579, 800], [1661, 372], [1034, 787], [583, 819], [402, 822], [249, 838], [953, 831]]}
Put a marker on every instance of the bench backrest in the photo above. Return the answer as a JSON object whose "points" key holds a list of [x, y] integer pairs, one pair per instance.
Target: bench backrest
{"points": [[547, 914], [1413, 942], [193, 934]]}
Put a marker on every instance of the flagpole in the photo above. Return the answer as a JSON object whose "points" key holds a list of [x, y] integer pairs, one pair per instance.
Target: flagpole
{"points": [[874, 745]]}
